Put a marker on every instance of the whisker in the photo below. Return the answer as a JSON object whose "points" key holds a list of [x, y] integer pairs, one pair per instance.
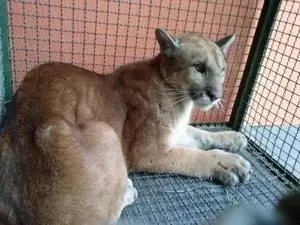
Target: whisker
{"points": [[181, 100], [170, 94], [168, 78], [171, 100], [172, 89], [221, 106]]}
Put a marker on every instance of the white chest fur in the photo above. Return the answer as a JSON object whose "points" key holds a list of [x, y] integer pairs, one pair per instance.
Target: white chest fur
{"points": [[178, 132]]}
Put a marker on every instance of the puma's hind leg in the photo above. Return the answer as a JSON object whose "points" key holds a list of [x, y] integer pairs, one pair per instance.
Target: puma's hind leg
{"points": [[90, 181]]}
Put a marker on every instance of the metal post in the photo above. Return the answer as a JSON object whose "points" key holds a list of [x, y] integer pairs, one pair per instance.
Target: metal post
{"points": [[5, 50]]}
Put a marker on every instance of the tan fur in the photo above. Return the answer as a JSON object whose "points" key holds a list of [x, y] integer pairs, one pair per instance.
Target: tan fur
{"points": [[73, 134]]}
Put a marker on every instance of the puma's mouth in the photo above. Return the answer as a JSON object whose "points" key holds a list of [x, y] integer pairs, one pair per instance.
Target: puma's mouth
{"points": [[206, 105], [204, 99]]}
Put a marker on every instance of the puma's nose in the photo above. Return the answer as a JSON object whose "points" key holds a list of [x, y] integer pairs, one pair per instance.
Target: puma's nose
{"points": [[212, 96]]}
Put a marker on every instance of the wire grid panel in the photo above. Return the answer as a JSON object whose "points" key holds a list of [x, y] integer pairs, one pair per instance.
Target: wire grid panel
{"points": [[177, 200], [102, 35], [273, 117]]}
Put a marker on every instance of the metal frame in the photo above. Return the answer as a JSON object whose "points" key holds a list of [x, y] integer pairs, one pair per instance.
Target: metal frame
{"points": [[256, 54], [5, 51]]}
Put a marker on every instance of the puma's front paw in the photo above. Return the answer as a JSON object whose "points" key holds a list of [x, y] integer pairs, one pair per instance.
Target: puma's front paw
{"points": [[236, 141], [131, 194], [230, 168]]}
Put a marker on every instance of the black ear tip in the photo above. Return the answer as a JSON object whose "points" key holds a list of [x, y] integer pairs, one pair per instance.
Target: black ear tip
{"points": [[230, 37], [159, 31], [225, 42]]}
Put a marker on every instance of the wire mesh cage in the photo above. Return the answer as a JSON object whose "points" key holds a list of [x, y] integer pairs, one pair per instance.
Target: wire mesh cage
{"points": [[261, 90], [101, 35]]}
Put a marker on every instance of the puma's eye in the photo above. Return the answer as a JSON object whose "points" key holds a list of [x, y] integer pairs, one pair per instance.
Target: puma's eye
{"points": [[200, 68]]}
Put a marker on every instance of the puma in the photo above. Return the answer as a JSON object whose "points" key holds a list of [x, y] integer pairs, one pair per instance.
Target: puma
{"points": [[70, 136]]}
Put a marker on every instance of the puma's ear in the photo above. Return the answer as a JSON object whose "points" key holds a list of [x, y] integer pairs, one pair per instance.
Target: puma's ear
{"points": [[225, 43], [166, 42]]}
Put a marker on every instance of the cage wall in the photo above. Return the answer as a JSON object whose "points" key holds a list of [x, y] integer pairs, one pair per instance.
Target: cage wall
{"points": [[102, 35], [272, 120]]}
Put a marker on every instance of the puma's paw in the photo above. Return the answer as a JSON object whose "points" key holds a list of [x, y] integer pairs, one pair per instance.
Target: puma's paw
{"points": [[230, 168], [131, 194], [238, 141]]}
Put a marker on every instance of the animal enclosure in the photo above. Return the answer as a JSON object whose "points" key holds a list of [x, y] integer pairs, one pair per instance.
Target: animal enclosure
{"points": [[261, 92]]}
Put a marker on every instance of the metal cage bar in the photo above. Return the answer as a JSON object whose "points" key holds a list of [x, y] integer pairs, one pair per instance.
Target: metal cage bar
{"points": [[5, 51]]}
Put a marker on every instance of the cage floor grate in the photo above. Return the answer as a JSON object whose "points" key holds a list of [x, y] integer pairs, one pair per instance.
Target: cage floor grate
{"points": [[172, 199]]}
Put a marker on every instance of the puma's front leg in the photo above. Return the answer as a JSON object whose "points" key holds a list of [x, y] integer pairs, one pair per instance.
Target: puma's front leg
{"points": [[227, 140], [228, 168]]}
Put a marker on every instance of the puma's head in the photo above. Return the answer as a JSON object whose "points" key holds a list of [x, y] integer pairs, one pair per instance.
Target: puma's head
{"points": [[194, 66]]}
